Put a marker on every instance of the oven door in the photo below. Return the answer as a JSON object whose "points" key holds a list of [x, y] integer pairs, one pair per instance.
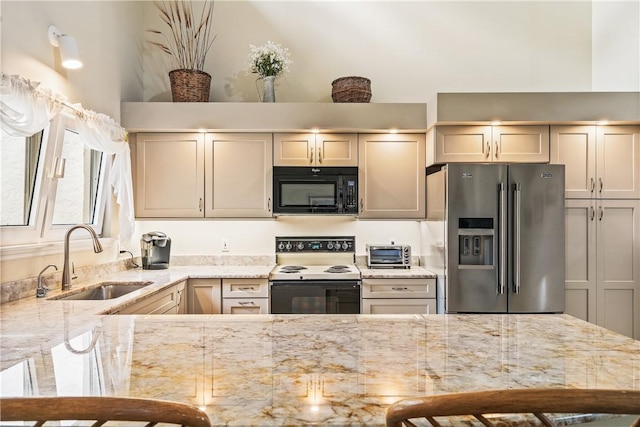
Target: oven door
{"points": [[315, 297]]}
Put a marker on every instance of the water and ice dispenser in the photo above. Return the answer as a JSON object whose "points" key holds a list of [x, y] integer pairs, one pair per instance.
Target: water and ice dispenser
{"points": [[155, 250], [475, 242]]}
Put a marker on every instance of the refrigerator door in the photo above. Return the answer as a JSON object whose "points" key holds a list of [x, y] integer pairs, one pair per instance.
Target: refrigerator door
{"points": [[536, 242], [473, 236]]}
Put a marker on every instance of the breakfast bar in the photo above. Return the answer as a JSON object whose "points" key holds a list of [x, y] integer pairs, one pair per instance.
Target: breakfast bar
{"points": [[299, 369]]}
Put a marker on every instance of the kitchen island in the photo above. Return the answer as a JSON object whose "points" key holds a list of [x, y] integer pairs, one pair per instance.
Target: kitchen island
{"points": [[299, 369]]}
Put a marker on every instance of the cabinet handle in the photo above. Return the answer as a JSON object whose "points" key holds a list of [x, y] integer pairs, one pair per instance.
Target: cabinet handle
{"points": [[200, 204], [361, 205], [247, 288], [601, 184], [311, 156], [246, 303], [593, 185], [486, 155], [593, 213], [320, 155], [269, 205], [601, 214], [495, 154], [400, 289]]}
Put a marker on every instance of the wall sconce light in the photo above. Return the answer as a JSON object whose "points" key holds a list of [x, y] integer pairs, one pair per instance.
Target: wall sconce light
{"points": [[68, 48]]}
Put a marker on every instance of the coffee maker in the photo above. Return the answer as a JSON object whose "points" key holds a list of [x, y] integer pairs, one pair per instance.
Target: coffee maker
{"points": [[155, 250]]}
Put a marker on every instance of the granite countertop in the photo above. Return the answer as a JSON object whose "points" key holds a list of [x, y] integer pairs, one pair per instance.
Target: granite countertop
{"points": [[297, 369]]}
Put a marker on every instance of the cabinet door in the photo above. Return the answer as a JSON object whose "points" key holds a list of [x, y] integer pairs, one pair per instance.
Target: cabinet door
{"points": [[169, 175], [398, 288], [575, 148], [525, 144], [336, 150], [245, 288], [618, 269], [463, 144], [238, 171], [618, 162], [162, 302], [294, 149], [580, 259], [204, 296], [391, 175]]}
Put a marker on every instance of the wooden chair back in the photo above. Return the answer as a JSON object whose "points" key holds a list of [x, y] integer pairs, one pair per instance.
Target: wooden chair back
{"points": [[102, 410], [537, 402]]}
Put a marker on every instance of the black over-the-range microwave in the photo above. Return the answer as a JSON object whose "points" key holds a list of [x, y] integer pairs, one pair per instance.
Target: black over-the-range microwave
{"points": [[311, 190]]}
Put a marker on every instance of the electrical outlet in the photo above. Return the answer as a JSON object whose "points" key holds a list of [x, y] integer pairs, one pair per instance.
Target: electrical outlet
{"points": [[225, 245]]}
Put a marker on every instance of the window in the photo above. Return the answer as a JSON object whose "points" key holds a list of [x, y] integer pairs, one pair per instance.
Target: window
{"points": [[51, 181]]}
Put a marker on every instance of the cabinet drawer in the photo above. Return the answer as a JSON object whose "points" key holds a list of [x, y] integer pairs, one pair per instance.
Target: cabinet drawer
{"points": [[398, 306], [245, 306], [243, 288], [398, 288]]}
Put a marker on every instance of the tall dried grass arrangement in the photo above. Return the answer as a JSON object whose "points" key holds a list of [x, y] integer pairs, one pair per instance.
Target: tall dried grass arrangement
{"points": [[188, 41]]}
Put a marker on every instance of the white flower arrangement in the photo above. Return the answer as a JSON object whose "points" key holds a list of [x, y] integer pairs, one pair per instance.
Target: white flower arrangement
{"points": [[269, 60]]}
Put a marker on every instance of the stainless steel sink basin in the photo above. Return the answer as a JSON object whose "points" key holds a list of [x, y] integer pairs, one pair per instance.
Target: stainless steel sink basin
{"points": [[105, 290]]}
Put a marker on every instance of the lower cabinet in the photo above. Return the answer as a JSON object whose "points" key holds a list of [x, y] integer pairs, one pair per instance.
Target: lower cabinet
{"points": [[398, 296], [204, 296], [167, 301], [245, 296], [602, 270]]}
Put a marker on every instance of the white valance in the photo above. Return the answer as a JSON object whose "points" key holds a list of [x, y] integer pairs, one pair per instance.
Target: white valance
{"points": [[26, 108]]}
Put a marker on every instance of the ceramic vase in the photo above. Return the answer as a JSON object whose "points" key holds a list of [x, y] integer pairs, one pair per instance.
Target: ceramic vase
{"points": [[269, 94]]}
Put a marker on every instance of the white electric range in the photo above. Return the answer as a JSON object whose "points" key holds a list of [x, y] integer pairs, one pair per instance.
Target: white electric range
{"points": [[315, 275]]}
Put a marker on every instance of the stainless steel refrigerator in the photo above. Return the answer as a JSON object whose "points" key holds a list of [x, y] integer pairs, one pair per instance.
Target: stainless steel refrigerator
{"points": [[503, 236]]}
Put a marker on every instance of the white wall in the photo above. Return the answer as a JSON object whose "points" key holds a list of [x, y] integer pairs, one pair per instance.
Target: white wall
{"points": [[409, 49]]}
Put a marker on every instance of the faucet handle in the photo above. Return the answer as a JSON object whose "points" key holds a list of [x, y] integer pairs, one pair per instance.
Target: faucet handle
{"points": [[73, 271]]}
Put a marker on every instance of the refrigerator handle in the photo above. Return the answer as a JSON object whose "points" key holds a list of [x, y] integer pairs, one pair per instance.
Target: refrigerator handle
{"points": [[502, 257], [516, 236]]}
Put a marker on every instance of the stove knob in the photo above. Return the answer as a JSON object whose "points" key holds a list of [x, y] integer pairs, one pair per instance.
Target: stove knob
{"points": [[280, 246], [300, 246], [330, 245], [337, 246], [288, 246], [345, 246]]}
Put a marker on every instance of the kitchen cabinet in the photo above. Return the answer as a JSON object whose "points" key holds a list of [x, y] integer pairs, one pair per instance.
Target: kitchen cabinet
{"points": [[204, 296], [399, 296], [238, 175], [187, 175], [490, 144], [603, 263], [391, 176], [600, 161], [167, 301], [245, 296], [169, 175], [315, 149]]}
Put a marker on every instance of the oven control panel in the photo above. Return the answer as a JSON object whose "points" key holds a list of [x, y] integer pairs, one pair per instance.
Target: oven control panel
{"points": [[315, 244]]}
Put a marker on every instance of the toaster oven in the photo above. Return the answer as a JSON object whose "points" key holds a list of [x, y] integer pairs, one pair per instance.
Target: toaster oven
{"points": [[388, 256]]}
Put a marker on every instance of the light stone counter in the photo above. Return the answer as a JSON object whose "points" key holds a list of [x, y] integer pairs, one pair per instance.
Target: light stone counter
{"points": [[396, 273], [318, 370]]}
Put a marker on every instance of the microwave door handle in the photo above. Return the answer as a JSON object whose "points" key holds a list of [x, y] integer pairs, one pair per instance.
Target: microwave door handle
{"points": [[502, 258]]}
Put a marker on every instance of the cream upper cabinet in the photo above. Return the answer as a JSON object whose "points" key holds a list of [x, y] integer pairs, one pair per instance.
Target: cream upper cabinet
{"points": [[238, 175], [310, 149], [391, 182], [169, 175], [600, 161], [491, 144]]}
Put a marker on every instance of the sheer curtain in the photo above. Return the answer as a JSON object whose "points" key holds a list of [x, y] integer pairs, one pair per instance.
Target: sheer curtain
{"points": [[26, 108]]}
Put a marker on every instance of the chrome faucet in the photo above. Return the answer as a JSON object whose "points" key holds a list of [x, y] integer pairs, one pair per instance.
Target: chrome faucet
{"points": [[97, 247], [41, 290]]}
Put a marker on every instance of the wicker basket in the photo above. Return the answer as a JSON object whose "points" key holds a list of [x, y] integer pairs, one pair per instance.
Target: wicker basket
{"points": [[351, 89], [190, 85]]}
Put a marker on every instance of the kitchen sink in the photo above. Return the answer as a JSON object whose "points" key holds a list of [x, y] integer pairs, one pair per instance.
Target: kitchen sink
{"points": [[104, 291]]}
